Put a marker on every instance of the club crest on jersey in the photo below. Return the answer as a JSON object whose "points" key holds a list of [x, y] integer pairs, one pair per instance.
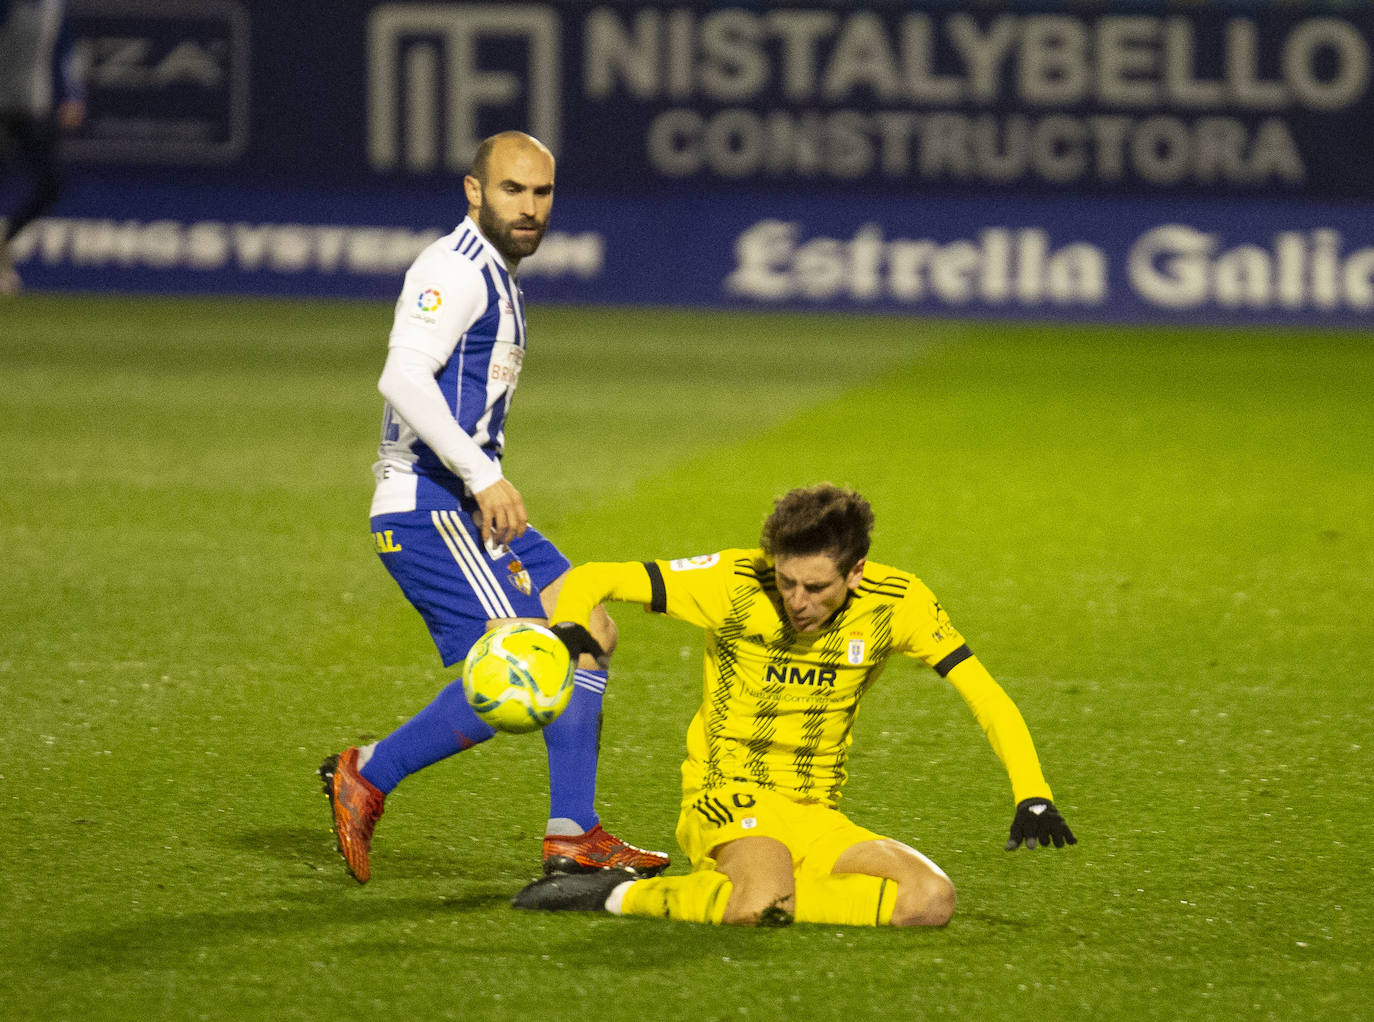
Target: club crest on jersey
{"points": [[856, 651], [519, 577]]}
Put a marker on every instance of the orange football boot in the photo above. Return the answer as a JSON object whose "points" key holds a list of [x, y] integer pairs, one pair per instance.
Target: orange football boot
{"points": [[356, 806], [599, 849]]}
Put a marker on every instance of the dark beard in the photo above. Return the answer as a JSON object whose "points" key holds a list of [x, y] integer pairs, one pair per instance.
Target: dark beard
{"points": [[499, 234]]}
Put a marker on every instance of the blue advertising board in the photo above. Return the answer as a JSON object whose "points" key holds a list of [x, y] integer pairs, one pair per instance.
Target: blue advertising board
{"points": [[1032, 159], [1112, 259]]}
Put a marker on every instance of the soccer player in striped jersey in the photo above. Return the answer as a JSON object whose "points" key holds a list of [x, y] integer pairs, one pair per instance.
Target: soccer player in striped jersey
{"points": [[450, 527], [797, 631]]}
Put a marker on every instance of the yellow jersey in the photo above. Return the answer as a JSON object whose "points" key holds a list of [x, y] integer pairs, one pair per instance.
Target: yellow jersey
{"points": [[778, 706]]}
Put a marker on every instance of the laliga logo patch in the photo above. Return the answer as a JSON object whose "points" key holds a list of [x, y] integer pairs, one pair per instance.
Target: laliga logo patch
{"points": [[519, 577], [430, 300], [694, 563]]}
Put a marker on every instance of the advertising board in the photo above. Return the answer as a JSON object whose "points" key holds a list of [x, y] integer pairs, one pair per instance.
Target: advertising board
{"points": [[1026, 159]]}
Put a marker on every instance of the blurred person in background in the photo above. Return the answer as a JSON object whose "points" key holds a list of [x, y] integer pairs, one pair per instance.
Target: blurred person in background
{"points": [[41, 95]]}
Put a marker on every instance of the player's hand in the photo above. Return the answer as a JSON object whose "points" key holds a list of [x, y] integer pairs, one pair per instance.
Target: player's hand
{"points": [[501, 513], [580, 642], [1038, 822], [71, 114]]}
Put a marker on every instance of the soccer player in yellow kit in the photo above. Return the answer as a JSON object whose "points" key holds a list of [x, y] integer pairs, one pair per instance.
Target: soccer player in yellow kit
{"points": [[797, 632]]}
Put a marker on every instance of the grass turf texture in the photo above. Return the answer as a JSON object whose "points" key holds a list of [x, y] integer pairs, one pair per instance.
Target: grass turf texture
{"points": [[1159, 541]]}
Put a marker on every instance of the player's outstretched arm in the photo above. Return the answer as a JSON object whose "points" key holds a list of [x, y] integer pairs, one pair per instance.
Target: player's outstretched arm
{"points": [[580, 643], [1038, 822], [587, 585]]}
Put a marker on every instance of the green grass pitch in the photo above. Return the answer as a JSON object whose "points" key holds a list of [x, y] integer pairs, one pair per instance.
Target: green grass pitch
{"points": [[1159, 541]]}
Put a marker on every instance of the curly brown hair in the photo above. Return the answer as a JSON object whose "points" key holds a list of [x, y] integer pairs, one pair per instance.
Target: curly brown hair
{"points": [[820, 519]]}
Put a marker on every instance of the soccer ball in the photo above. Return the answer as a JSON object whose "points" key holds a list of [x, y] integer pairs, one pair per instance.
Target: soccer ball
{"points": [[518, 677]]}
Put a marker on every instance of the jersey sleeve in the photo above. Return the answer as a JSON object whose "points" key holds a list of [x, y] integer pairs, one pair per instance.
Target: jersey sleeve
{"points": [[69, 70], [922, 629], [1004, 726], [441, 299], [408, 384], [696, 589], [693, 589], [593, 583]]}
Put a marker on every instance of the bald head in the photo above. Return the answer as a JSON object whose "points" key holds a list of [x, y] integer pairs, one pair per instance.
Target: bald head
{"points": [[510, 192], [506, 143]]}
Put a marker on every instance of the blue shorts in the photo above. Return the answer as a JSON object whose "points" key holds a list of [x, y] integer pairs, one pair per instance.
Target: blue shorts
{"points": [[458, 584]]}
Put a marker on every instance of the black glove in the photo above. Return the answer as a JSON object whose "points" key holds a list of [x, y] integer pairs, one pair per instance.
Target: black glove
{"points": [[1037, 822], [579, 641]]}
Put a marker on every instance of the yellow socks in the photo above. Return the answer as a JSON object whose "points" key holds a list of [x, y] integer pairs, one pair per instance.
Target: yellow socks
{"points": [[846, 899], [841, 899], [695, 898]]}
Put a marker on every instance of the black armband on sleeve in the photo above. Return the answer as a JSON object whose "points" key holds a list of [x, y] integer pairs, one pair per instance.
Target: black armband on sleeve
{"points": [[658, 603], [953, 660]]}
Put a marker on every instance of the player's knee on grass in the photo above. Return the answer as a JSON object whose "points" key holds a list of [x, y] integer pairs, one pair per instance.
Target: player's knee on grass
{"points": [[924, 899], [760, 904], [763, 888], [925, 895]]}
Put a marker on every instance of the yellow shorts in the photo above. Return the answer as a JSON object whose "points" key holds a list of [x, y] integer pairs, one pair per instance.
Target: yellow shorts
{"points": [[815, 834]]}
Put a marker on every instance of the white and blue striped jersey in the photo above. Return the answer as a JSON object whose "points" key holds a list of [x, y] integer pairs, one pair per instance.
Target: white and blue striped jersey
{"points": [[460, 306]]}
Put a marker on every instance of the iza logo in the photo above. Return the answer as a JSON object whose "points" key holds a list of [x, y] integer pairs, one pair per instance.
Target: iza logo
{"points": [[430, 300], [167, 82]]}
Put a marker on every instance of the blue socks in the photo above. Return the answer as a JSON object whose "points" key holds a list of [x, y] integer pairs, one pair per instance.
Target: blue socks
{"points": [[574, 741], [448, 725]]}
